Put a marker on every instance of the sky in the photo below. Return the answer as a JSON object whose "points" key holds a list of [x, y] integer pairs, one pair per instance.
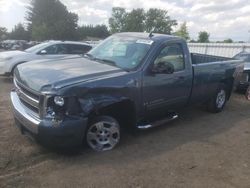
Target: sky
{"points": [[221, 18]]}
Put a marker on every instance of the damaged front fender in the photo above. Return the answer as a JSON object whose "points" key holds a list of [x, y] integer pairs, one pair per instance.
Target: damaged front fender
{"points": [[95, 103]]}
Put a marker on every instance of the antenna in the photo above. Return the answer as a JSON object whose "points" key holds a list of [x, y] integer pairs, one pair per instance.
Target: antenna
{"points": [[151, 34]]}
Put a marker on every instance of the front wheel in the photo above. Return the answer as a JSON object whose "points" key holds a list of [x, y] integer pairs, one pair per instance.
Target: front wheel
{"points": [[103, 133], [218, 101]]}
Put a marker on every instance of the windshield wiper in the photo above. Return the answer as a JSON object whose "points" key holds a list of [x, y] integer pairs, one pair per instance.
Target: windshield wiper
{"points": [[110, 62], [89, 55], [99, 59], [107, 61]]}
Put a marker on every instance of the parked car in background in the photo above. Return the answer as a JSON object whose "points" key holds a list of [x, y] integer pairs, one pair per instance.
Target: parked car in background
{"points": [[247, 94], [48, 50], [1, 44], [7, 44], [244, 81], [19, 45], [31, 43], [134, 80], [93, 43]]}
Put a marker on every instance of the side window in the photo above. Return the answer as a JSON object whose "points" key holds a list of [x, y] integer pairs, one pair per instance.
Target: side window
{"points": [[56, 49], [51, 49], [79, 49], [61, 49], [171, 54]]}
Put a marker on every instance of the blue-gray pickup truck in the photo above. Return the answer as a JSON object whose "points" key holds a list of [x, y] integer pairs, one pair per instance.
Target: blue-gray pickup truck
{"points": [[136, 80]]}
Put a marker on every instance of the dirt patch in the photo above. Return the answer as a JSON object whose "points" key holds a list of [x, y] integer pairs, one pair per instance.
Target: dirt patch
{"points": [[198, 150]]}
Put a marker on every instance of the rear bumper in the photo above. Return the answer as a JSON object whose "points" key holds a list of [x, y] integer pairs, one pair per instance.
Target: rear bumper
{"points": [[67, 133]]}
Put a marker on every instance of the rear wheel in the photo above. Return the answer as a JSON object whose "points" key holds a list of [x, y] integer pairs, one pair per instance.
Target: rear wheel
{"points": [[218, 101], [103, 133]]}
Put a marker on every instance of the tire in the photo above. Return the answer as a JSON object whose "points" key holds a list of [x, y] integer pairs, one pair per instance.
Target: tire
{"points": [[218, 101], [103, 133]]}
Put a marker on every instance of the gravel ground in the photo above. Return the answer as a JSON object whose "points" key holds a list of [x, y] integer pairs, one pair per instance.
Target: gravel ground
{"points": [[198, 150]]}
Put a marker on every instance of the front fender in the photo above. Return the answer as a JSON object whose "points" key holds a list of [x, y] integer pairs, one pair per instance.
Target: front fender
{"points": [[94, 103]]}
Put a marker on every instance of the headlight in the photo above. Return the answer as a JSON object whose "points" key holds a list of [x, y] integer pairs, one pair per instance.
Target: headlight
{"points": [[59, 100]]}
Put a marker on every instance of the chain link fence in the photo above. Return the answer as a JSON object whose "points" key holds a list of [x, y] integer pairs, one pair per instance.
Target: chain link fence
{"points": [[219, 49]]}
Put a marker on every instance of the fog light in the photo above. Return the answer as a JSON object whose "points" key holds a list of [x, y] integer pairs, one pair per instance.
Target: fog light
{"points": [[59, 100]]}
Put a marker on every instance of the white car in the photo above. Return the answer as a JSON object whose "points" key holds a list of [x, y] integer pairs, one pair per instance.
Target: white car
{"points": [[48, 50]]}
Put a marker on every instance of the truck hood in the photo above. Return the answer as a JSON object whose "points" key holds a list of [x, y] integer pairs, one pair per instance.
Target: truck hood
{"points": [[55, 74], [9, 54]]}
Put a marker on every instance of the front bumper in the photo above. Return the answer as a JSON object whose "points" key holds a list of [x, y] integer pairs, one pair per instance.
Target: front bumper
{"points": [[69, 132]]}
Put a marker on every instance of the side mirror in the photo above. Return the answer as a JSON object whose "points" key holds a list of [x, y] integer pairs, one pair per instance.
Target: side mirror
{"points": [[163, 68], [43, 52]]}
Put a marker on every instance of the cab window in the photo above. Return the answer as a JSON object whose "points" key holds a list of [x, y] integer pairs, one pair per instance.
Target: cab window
{"points": [[171, 54]]}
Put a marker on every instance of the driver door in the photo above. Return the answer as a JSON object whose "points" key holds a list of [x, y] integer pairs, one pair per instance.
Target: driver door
{"points": [[164, 91]]}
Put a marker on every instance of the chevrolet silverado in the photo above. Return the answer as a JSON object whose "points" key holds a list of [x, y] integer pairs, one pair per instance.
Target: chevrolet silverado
{"points": [[135, 80]]}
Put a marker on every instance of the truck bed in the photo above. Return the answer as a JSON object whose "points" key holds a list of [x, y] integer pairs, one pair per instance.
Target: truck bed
{"points": [[202, 58], [207, 71]]}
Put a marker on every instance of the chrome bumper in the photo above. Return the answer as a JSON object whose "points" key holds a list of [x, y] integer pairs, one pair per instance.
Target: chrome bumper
{"points": [[23, 115]]}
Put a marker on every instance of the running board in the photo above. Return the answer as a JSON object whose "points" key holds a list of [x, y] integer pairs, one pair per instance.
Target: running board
{"points": [[158, 123]]}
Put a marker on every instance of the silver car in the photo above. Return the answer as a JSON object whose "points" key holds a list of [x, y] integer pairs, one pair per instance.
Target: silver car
{"points": [[47, 50]]}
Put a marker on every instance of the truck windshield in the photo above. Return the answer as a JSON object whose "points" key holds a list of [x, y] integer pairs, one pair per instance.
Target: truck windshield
{"points": [[124, 52]]}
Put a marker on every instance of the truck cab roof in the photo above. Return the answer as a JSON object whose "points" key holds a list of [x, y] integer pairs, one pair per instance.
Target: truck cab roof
{"points": [[154, 36]]}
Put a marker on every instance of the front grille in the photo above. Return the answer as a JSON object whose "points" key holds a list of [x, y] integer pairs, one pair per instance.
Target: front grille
{"points": [[30, 99], [34, 109]]}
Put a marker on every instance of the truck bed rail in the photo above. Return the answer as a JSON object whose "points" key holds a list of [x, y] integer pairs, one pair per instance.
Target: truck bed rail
{"points": [[202, 58]]}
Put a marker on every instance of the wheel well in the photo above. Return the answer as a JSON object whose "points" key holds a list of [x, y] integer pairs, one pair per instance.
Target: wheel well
{"points": [[229, 85], [124, 112]]}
